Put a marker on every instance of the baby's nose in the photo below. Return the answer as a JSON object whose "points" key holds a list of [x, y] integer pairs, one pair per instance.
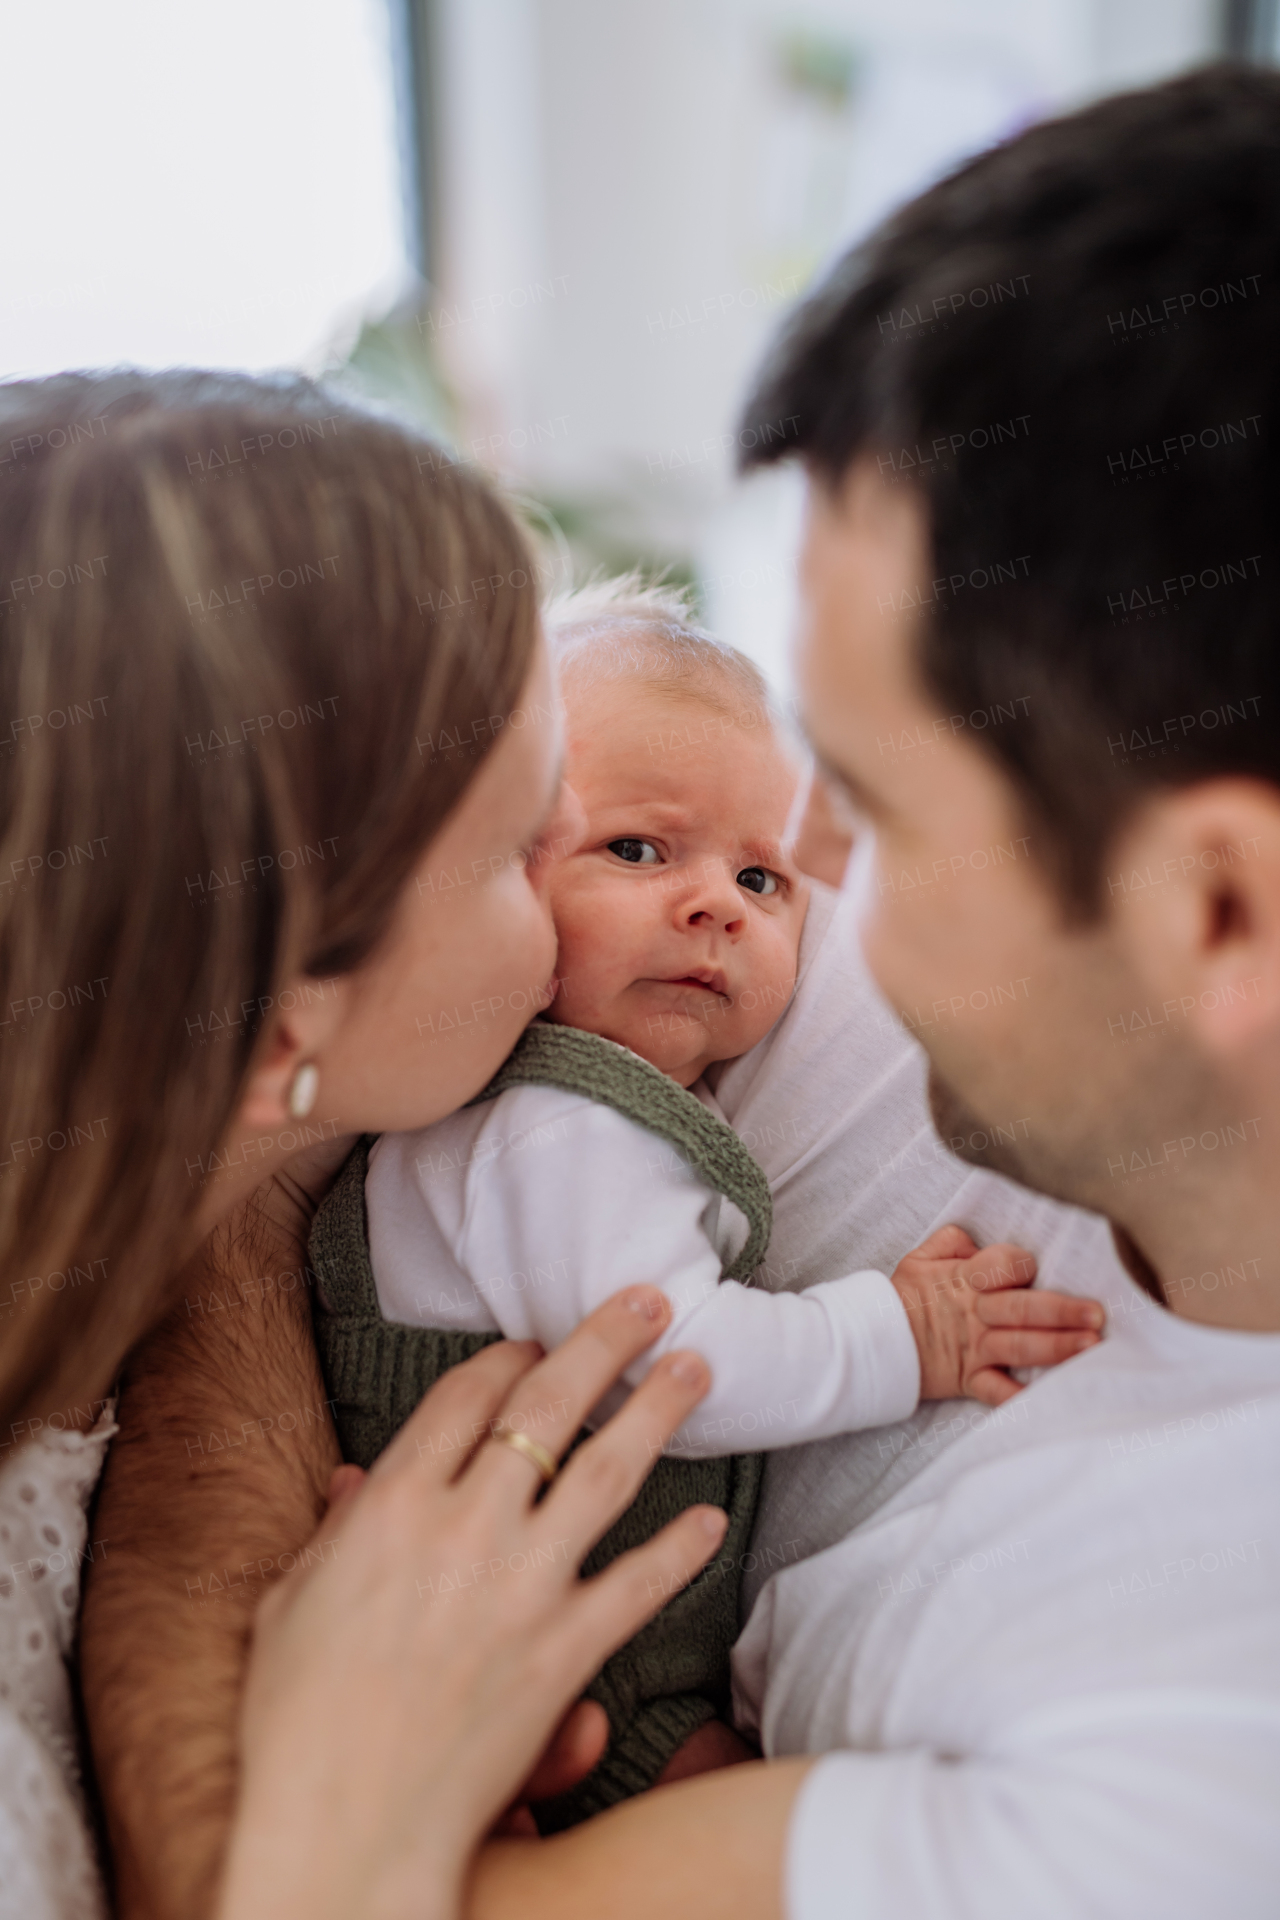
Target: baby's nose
{"points": [[725, 922], [716, 901]]}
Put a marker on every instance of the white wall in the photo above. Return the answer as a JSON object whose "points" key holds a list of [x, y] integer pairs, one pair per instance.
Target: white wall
{"points": [[194, 185], [633, 197]]}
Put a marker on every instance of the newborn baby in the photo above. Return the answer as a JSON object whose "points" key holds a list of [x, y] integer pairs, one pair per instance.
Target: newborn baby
{"points": [[587, 1168]]}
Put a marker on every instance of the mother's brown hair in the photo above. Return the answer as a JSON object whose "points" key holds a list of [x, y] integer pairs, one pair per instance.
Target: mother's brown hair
{"points": [[236, 618]]}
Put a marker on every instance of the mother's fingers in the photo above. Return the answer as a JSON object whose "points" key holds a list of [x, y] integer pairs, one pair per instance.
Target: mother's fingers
{"points": [[608, 1470], [550, 1403], [447, 1426], [345, 1483], [608, 1609], [576, 1746]]}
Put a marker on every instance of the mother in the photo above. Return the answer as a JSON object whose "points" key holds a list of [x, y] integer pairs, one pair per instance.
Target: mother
{"points": [[241, 630]]}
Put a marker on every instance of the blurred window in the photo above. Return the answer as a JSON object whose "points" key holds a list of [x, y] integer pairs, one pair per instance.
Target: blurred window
{"points": [[197, 185]]}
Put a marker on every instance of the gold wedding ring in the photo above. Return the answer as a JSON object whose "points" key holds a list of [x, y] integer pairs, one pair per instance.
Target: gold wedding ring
{"points": [[546, 1463]]}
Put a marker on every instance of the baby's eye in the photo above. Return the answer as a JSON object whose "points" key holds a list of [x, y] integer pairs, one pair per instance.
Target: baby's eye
{"points": [[640, 853], [758, 880]]}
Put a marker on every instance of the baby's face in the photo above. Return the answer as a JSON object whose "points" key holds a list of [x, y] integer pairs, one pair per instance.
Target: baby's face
{"points": [[679, 917]]}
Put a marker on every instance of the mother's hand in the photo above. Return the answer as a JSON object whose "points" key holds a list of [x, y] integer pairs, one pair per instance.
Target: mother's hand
{"points": [[403, 1684]]}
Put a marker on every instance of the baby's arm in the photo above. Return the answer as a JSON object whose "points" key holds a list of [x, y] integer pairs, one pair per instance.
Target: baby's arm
{"points": [[551, 1233], [837, 1357]]}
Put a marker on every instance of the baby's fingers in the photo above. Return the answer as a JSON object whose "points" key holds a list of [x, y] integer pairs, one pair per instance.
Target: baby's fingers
{"points": [[1043, 1308], [948, 1243], [998, 1267], [992, 1387], [1009, 1347]]}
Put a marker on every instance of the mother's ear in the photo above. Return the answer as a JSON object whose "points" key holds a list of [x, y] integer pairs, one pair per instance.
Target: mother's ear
{"points": [[288, 1070], [1194, 893]]}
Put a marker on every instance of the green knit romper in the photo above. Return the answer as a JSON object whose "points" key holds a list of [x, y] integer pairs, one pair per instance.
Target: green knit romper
{"points": [[674, 1675]]}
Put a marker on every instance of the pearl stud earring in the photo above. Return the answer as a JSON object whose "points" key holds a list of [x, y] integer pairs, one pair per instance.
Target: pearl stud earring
{"points": [[303, 1089]]}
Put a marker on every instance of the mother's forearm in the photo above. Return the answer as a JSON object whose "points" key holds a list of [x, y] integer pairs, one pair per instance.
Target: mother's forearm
{"points": [[706, 1849], [217, 1477]]}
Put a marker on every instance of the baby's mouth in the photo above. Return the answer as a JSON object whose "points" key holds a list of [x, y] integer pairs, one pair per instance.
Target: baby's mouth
{"points": [[709, 979]]}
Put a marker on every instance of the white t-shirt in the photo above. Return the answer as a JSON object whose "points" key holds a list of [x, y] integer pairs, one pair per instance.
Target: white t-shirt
{"points": [[1041, 1649], [832, 1104], [1054, 1654], [523, 1214]]}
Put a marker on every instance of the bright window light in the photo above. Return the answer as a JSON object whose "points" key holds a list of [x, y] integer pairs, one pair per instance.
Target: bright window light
{"points": [[185, 185]]}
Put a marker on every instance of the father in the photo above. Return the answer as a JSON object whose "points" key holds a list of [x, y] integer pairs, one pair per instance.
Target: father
{"points": [[1040, 574], [1041, 1655]]}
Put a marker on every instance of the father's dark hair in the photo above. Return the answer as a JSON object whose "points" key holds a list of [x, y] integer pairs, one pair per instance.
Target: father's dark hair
{"points": [[1071, 348]]}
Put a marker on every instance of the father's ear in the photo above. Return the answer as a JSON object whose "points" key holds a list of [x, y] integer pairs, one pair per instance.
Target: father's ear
{"points": [[1193, 891]]}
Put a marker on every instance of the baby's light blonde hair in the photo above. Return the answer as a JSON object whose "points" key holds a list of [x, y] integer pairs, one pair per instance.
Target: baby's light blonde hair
{"points": [[629, 627]]}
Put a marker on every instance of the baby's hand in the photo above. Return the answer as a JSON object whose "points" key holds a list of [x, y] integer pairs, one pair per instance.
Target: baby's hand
{"points": [[971, 1322]]}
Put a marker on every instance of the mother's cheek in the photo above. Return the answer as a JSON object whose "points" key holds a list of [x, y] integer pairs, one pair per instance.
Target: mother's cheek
{"points": [[523, 933]]}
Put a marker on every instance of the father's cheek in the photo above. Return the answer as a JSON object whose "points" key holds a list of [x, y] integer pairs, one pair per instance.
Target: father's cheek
{"points": [[882, 934], [898, 980]]}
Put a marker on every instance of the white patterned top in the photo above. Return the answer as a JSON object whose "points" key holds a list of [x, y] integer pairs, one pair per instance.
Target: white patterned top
{"points": [[48, 1867]]}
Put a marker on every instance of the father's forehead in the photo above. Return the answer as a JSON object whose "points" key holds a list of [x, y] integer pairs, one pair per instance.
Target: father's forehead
{"points": [[864, 559], [865, 568]]}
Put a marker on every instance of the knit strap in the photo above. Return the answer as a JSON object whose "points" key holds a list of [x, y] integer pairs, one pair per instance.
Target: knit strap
{"points": [[585, 1063], [338, 1248]]}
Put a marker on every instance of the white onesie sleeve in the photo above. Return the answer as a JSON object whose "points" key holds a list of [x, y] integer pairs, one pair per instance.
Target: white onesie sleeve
{"points": [[570, 1202]]}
